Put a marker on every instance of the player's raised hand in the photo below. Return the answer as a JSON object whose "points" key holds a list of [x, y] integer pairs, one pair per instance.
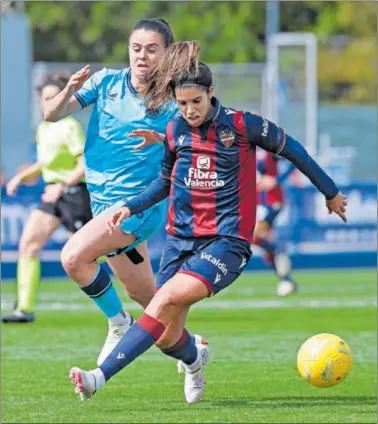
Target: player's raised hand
{"points": [[338, 205], [116, 218], [149, 137], [78, 78]]}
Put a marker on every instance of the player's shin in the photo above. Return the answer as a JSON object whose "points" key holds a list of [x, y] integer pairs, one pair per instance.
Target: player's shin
{"points": [[140, 337], [103, 293], [28, 276]]}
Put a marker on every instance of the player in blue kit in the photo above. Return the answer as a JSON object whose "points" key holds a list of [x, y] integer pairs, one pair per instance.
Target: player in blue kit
{"points": [[209, 174], [116, 169]]}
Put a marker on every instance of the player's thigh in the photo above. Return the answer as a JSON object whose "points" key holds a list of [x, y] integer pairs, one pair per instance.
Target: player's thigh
{"points": [[136, 278], [174, 255], [38, 229], [94, 240], [218, 263]]}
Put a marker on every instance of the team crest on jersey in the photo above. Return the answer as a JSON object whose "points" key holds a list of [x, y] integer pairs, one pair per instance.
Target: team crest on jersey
{"points": [[227, 138]]}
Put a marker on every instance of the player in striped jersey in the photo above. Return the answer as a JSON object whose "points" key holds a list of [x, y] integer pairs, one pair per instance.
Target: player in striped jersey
{"points": [[271, 201], [209, 174]]}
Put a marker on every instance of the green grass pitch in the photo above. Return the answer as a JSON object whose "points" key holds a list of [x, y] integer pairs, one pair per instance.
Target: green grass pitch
{"points": [[252, 378]]}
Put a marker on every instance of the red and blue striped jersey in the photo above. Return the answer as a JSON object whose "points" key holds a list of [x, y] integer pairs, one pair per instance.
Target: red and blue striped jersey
{"points": [[213, 173], [209, 173]]}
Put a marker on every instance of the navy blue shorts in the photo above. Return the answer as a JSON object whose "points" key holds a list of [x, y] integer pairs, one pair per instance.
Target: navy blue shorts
{"points": [[216, 261], [268, 213]]}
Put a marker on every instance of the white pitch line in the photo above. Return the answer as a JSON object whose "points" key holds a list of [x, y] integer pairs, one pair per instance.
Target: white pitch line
{"points": [[219, 304]]}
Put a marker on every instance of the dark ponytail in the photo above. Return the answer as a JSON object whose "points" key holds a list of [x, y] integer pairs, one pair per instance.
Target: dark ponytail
{"points": [[178, 64]]}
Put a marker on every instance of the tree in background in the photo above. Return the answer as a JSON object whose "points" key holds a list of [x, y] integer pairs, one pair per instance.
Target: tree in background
{"points": [[228, 31]]}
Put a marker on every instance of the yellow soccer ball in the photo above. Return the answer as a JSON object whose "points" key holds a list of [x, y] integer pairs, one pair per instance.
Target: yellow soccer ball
{"points": [[324, 360]]}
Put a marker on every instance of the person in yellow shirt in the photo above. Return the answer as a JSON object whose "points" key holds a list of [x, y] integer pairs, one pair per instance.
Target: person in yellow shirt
{"points": [[65, 200]]}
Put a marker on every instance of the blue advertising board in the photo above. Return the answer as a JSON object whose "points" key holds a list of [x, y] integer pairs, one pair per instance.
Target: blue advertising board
{"points": [[313, 238]]}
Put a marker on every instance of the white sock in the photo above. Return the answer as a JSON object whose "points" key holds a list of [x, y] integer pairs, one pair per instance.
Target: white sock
{"points": [[99, 377], [121, 318]]}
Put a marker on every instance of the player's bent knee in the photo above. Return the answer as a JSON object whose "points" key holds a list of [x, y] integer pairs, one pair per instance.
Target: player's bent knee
{"points": [[164, 308], [71, 259], [29, 247]]}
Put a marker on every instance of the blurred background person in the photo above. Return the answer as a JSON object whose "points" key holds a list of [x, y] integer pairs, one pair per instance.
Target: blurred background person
{"points": [[65, 199], [270, 202]]}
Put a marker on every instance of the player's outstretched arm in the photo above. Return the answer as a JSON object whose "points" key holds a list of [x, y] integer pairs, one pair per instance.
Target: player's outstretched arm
{"points": [[157, 191], [25, 175], [269, 137], [64, 103]]}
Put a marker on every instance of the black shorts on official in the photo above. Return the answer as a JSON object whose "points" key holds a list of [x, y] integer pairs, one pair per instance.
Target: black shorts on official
{"points": [[73, 208]]}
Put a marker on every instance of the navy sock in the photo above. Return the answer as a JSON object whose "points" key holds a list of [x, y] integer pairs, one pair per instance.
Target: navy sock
{"points": [[103, 293], [185, 349], [139, 338]]}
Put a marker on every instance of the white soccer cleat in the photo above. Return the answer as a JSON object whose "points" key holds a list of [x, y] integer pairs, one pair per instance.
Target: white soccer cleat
{"points": [[85, 383], [194, 375], [115, 334], [198, 340], [286, 287]]}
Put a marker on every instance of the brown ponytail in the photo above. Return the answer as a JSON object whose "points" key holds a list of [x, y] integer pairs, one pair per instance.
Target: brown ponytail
{"points": [[178, 60]]}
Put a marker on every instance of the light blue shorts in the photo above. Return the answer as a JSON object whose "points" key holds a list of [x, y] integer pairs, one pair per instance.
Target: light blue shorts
{"points": [[142, 225]]}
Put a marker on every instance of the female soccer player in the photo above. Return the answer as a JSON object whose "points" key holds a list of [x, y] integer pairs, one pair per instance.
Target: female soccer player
{"points": [[209, 173], [65, 199], [116, 168]]}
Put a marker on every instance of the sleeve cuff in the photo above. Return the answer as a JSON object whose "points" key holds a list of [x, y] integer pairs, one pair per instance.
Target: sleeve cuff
{"points": [[333, 194], [283, 142], [80, 100]]}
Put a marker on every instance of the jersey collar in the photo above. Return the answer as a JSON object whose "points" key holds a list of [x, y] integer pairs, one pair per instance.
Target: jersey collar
{"points": [[215, 113], [130, 86]]}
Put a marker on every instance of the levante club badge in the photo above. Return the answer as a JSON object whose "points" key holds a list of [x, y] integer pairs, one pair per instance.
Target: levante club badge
{"points": [[227, 138]]}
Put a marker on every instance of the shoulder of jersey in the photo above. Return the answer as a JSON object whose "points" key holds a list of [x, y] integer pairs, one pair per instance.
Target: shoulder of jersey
{"points": [[106, 74], [110, 71]]}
